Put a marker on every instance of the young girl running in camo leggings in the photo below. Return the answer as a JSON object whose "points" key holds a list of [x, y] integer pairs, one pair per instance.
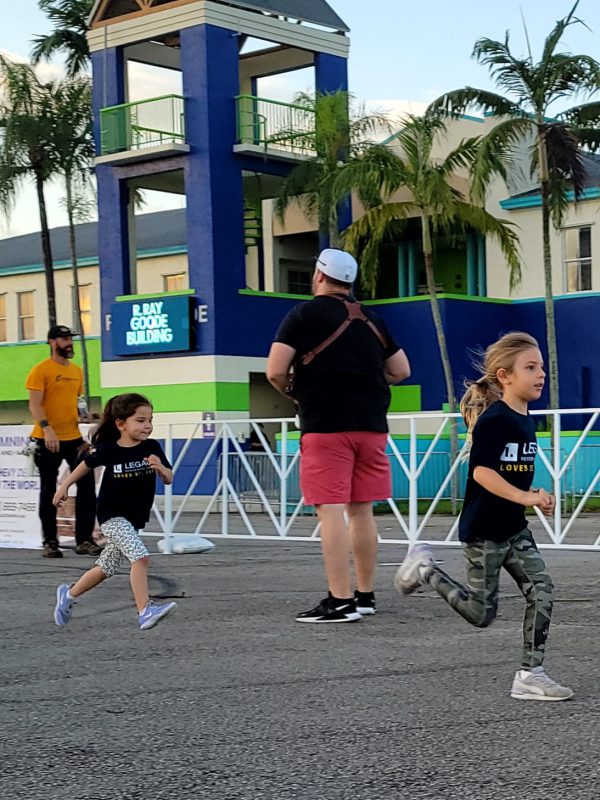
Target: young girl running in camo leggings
{"points": [[131, 461], [492, 526]]}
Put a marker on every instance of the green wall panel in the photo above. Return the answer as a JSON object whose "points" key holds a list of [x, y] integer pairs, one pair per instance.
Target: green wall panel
{"points": [[17, 359], [190, 396], [405, 398]]}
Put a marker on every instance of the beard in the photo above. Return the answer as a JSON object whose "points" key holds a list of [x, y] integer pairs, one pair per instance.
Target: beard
{"points": [[66, 352]]}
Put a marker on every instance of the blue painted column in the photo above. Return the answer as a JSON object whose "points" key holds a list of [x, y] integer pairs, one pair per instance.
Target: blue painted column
{"points": [[481, 266], [472, 256], [108, 84], [113, 245], [213, 179], [412, 268], [331, 75], [402, 269], [108, 89]]}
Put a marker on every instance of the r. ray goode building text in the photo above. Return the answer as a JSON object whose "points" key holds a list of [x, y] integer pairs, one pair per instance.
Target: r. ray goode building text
{"points": [[148, 324]]}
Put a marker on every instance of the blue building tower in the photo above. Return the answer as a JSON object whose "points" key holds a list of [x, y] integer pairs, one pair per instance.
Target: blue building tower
{"points": [[222, 147]]}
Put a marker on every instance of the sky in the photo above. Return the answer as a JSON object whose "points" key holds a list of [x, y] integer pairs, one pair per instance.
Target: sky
{"points": [[402, 55]]}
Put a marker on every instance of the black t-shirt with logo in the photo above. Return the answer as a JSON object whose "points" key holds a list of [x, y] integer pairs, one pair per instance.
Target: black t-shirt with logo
{"points": [[129, 483], [344, 387], [503, 440]]}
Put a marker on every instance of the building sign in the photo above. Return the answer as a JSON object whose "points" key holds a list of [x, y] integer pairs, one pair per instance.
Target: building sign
{"points": [[162, 324]]}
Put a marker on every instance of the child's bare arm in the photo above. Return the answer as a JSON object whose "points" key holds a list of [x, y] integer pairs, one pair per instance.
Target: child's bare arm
{"points": [[495, 483], [63, 490], [165, 473]]}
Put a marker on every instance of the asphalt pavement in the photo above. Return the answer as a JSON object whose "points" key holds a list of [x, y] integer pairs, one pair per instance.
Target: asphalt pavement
{"points": [[230, 699]]}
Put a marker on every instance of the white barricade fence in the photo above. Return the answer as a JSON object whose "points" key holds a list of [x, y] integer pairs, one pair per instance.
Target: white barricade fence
{"points": [[427, 472]]}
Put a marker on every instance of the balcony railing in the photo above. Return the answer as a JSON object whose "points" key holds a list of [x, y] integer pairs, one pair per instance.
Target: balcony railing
{"points": [[141, 125], [274, 125]]}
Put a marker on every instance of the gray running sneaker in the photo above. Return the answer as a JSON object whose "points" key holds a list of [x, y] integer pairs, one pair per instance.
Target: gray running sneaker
{"points": [[407, 578], [535, 684]]}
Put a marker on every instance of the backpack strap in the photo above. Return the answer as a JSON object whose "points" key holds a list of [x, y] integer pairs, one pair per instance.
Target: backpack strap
{"points": [[354, 312]]}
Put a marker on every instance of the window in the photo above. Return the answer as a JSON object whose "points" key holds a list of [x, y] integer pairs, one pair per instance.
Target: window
{"points": [[2, 317], [85, 304], [299, 281], [578, 259], [26, 318], [175, 282]]}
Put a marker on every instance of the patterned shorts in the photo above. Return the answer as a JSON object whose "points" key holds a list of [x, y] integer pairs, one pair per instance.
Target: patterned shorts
{"points": [[122, 540]]}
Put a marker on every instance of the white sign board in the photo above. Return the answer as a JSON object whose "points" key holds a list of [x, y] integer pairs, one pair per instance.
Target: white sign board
{"points": [[19, 491]]}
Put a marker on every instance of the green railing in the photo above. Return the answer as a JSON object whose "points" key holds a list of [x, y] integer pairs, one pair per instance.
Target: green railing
{"points": [[147, 123], [275, 125]]}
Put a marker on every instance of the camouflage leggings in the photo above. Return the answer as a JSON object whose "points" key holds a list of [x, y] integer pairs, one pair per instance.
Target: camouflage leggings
{"points": [[478, 601]]}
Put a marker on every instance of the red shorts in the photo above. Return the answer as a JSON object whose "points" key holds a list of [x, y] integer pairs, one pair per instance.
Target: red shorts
{"points": [[344, 467]]}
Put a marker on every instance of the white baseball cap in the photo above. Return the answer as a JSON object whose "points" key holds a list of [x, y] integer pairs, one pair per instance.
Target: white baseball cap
{"points": [[337, 264]]}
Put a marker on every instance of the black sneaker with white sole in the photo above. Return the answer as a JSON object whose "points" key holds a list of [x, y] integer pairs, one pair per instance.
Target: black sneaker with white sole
{"points": [[330, 610], [365, 603]]}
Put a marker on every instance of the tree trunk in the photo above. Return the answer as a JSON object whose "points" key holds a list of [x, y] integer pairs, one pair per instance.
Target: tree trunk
{"points": [[436, 314], [549, 302], [552, 367], [446, 365], [75, 271], [46, 251]]}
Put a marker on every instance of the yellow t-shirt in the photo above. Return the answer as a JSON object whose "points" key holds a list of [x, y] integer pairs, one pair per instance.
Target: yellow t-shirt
{"points": [[61, 385]]}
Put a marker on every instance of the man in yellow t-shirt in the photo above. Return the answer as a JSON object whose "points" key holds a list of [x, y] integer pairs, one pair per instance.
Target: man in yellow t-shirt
{"points": [[54, 386]]}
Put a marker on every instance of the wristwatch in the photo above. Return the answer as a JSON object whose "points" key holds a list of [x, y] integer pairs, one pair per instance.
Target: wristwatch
{"points": [[44, 423]]}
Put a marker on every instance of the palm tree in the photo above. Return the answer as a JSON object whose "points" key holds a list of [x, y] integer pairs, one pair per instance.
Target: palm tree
{"points": [[556, 157], [441, 207], [73, 154], [337, 131], [69, 18], [26, 123]]}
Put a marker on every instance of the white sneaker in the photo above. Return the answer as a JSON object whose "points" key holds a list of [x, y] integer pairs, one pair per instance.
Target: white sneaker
{"points": [[534, 684], [407, 578]]}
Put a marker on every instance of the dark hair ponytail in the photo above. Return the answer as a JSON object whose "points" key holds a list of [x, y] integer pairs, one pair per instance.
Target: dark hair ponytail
{"points": [[122, 406]]}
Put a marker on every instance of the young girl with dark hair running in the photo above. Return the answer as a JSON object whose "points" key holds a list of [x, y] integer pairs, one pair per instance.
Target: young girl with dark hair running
{"points": [[492, 527], [131, 461]]}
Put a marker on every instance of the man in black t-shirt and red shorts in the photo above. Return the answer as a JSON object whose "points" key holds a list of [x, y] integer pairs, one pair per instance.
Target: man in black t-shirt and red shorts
{"points": [[343, 359]]}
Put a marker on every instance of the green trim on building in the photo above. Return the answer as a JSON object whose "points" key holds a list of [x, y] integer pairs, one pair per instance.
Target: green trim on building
{"points": [[256, 293], [443, 296], [174, 293], [416, 299], [92, 261], [405, 398], [535, 200], [172, 398]]}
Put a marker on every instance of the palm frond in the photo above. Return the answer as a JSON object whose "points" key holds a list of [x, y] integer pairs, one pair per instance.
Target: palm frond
{"points": [[459, 101], [565, 157], [495, 154], [68, 37], [557, 32], [503, 231], [585, 115]]}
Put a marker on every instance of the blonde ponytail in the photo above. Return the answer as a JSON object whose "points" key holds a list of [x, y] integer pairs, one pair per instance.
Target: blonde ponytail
{"points": [[485, 391]]}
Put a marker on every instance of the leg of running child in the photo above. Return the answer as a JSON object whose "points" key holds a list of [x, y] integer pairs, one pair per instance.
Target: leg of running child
{"points": [[477, 601]]}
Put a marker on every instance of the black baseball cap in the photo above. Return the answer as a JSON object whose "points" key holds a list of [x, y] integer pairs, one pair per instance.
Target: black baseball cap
{"points": [[60, 332]]}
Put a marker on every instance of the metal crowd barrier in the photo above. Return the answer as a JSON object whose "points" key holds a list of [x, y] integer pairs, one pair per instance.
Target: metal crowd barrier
{"points": [[423, 469]]}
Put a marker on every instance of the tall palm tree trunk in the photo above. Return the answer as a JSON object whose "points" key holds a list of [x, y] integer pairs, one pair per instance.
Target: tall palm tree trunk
{"points": [[75, 272], [46, 251], [549, 301], [441, 338]]}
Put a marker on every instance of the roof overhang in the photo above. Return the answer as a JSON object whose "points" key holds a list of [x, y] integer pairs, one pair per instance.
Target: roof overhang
{"points": [[315, 12], [176, 15]]}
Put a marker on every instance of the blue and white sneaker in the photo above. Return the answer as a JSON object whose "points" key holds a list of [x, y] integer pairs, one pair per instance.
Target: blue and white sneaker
{"points": [[64, 605], [153, 614]]}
